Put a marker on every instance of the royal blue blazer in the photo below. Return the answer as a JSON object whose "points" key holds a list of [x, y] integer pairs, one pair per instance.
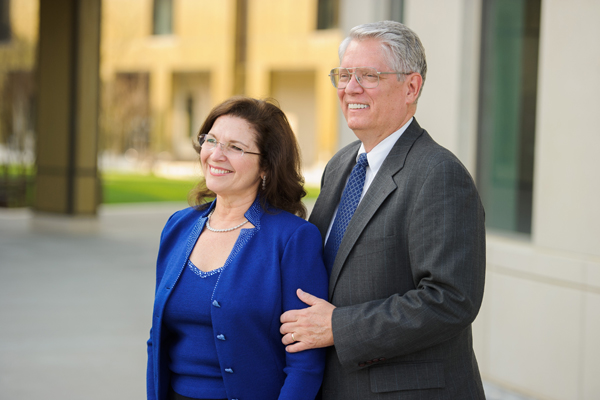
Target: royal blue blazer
{"points": [[267, 265]]}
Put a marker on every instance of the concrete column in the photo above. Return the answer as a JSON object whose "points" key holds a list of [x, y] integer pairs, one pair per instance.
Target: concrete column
{"points": [[67, 113]]}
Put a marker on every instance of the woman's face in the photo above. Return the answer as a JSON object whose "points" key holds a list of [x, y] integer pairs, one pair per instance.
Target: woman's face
{"points": [[227, 174]]}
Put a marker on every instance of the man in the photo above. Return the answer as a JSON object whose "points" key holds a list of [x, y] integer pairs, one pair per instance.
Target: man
{"points": [[407, 273]]}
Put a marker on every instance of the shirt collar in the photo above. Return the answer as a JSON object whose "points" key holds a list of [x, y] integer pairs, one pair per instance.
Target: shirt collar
{"points": [[383, 148]]}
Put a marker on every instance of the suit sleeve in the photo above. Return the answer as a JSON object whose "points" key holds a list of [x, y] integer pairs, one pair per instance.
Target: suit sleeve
{"points": [[302, 268], [446, 247]]}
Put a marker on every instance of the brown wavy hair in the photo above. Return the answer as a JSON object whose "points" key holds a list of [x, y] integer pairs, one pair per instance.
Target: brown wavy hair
{"points": [[279, 154]]}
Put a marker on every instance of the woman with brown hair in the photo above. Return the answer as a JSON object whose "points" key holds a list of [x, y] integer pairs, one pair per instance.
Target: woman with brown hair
{"points": [[229, 266]]}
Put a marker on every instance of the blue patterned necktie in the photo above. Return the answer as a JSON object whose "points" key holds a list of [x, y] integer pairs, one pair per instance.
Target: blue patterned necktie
{"points": [[348, 204]]}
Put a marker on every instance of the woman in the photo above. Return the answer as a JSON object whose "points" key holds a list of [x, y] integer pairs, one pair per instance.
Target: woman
{"points": [[229, 268]]}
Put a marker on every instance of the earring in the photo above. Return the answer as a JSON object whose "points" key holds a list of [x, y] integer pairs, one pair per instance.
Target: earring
{"points": [[264, 184]]}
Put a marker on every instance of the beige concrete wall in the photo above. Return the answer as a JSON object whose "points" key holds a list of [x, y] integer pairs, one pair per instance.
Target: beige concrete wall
{"points": [[567, 186], [449, 31], [295, 92]]}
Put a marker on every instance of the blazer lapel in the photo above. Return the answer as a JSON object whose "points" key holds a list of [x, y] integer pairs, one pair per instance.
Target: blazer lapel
{"points": [[381, 187], [332, 188]]}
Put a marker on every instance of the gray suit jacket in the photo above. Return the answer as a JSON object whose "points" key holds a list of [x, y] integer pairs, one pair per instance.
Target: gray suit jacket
{"points": [[408, 277]]}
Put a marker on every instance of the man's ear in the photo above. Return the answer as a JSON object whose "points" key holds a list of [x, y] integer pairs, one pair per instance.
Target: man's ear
{"points": [[413, 85]]}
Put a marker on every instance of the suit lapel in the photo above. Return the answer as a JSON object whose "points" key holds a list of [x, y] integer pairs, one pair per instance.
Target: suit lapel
{"points": [[381, 187], [331, 191]]}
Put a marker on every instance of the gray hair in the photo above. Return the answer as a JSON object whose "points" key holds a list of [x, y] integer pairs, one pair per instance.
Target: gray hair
{"points": [[401, 46]]}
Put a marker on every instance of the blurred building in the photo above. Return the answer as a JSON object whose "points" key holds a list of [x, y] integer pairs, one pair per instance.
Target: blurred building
{"points": [[18, 44], [166, 63]]}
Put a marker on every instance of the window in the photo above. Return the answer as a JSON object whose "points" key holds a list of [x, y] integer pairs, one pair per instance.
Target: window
{"points": [[397, 10], [126, 113], [189, 114], [506, 127], [5, 31], [163, 17], [327, 14]]}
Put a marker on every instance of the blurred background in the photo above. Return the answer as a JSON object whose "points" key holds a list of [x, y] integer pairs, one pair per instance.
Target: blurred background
{"points": [[100, 100]]}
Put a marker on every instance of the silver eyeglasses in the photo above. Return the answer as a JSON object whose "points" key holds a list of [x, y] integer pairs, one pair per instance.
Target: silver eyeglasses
{"points": [[367, 77], [209, 143]]}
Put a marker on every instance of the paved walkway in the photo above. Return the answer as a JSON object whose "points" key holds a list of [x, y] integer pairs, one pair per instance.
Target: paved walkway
{"points": [[76, 300]]}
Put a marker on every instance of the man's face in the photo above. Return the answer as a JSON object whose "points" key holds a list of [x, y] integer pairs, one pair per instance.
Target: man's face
{"points": [[374, 114]]}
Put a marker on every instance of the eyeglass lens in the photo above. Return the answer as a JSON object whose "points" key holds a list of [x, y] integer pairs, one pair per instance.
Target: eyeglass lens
{"points": [[366, 77], [210, 143]]}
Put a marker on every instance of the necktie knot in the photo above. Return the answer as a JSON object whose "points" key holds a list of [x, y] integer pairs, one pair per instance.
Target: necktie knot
{"points": [[362, 160]]}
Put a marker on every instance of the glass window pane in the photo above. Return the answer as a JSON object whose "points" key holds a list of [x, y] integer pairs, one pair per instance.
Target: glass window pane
{"points": [[163, 17], [5, 31], [397, 10], [327, 14], [508, 91]]}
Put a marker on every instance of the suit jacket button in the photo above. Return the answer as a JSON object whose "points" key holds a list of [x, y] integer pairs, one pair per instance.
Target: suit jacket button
{"points": [[229, 370], [221, 337]]}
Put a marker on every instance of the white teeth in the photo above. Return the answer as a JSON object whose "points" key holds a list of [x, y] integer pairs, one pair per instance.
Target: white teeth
{"points": [[356, 106], [219, 171]]}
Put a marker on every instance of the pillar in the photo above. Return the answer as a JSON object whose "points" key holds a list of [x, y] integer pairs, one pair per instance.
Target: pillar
{"points": [[67, 179]]}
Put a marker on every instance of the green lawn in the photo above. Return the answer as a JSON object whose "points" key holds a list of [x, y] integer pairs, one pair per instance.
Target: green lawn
{"points": [[132, 188], [116, 188]]}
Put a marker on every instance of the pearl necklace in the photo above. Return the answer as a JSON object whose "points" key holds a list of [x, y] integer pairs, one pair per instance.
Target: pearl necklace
{"points": [[210, 228]]}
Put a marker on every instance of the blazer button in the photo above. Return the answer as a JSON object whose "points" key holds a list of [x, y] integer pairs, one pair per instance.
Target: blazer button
{"points": [[221, 337], [229, 370], [216, 303]]}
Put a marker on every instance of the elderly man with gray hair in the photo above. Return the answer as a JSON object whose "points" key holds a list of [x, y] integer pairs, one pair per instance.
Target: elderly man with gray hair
{"points": [[403, 227]]}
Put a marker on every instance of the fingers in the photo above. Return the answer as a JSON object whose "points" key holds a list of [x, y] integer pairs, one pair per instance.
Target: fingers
{"points": [[288, 317], [290, 338], [293, 344], [307, 328], [292, 315], [307, 297], [296, 347]]}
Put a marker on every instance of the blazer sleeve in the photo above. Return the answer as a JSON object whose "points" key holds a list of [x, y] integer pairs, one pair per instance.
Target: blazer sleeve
{"points": [[446, 248], [302, 268], [160, 270]]}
